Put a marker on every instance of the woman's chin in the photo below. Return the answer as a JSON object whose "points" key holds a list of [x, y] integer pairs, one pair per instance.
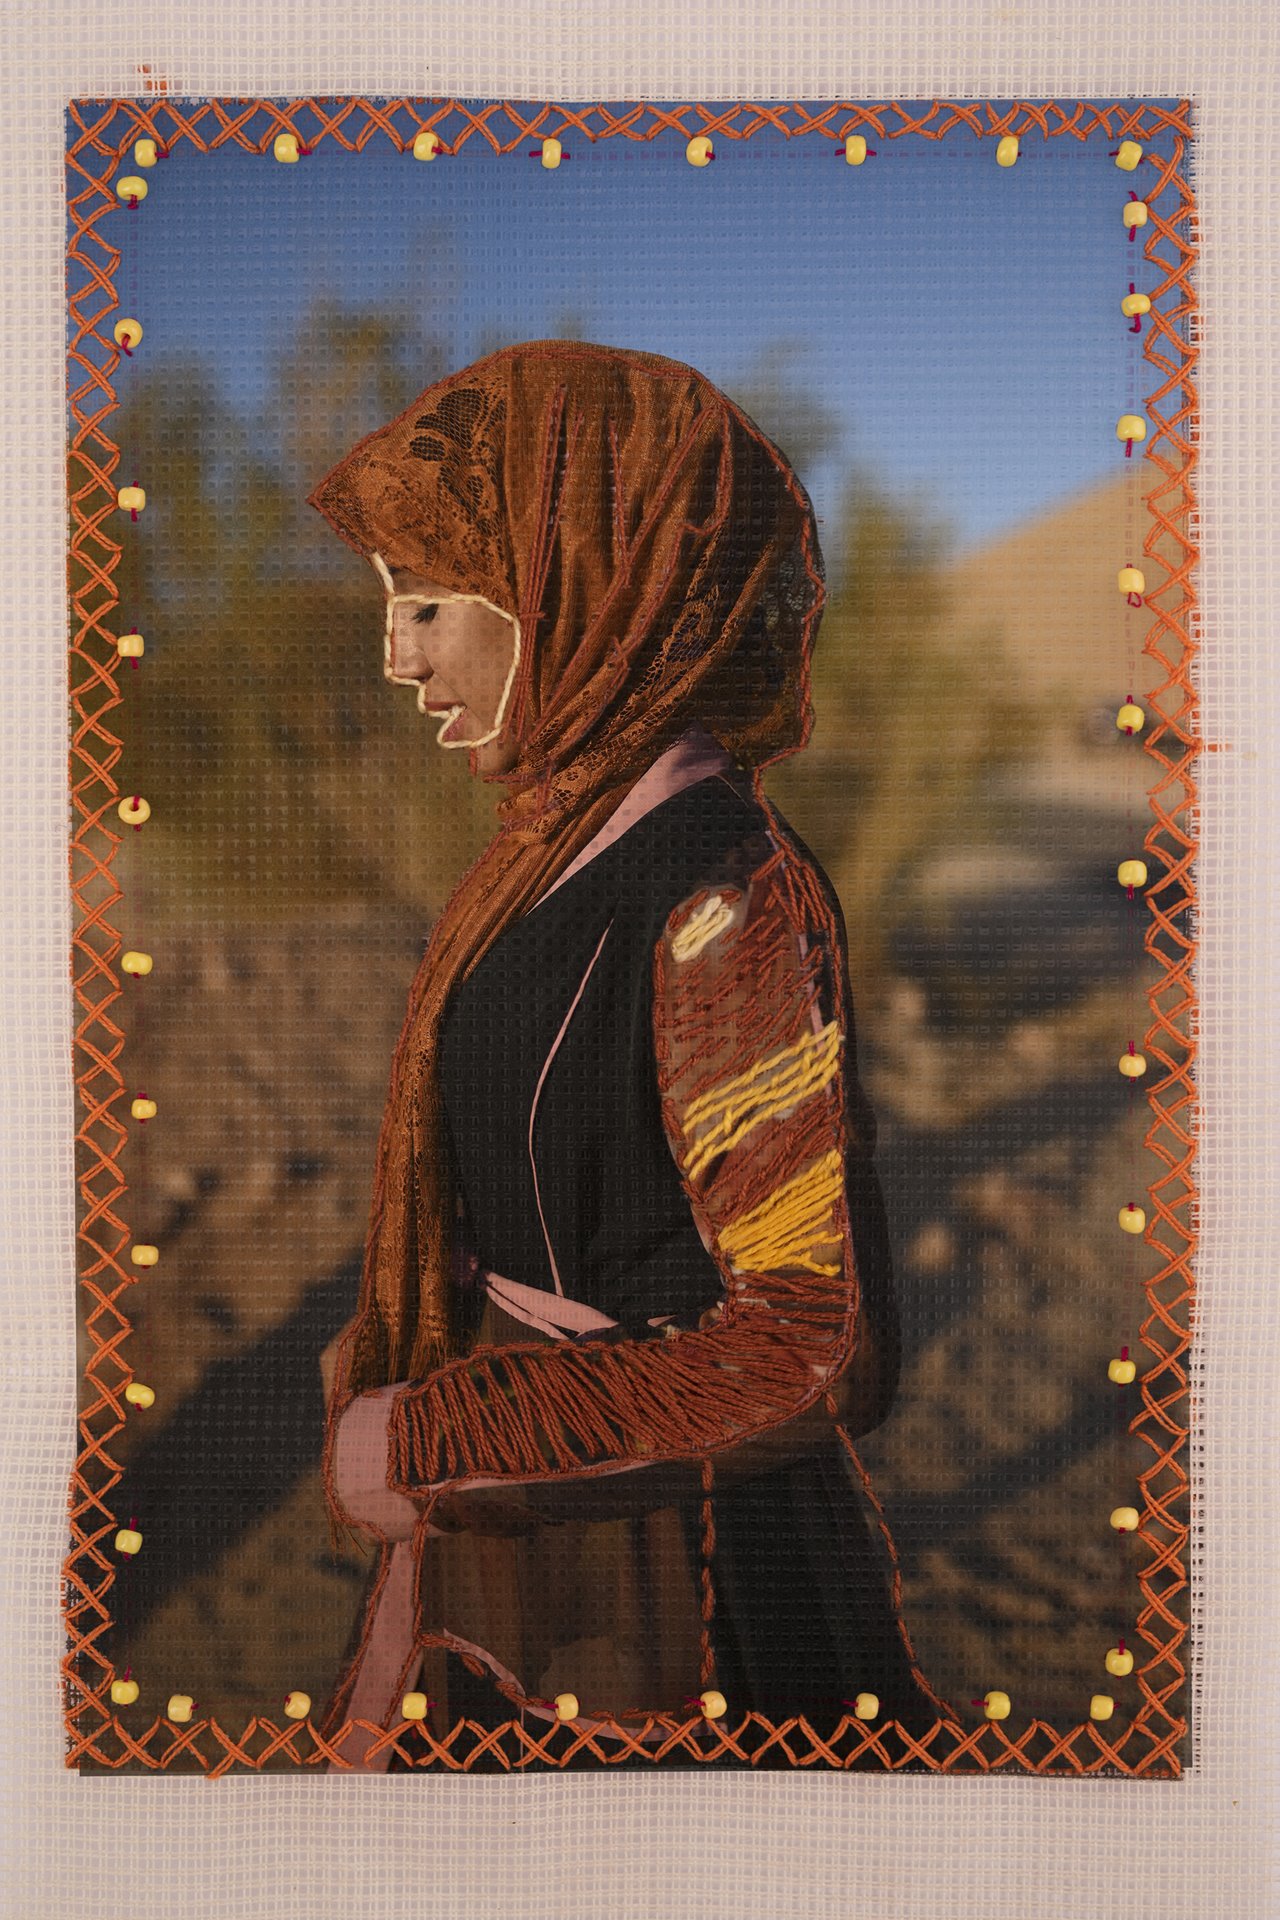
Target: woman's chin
{"points": [[454, 737], [488, 755]]}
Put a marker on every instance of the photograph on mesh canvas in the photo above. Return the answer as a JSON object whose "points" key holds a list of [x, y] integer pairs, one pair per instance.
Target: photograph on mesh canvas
{"points": [[617, 692]]}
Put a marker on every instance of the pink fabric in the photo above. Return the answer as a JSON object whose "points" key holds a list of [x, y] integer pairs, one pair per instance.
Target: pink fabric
{"points": [[389, 1667], [360, 1462], [550, 1312]]}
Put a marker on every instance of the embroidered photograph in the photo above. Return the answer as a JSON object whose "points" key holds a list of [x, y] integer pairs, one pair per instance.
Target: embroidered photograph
{"points": [[631, 727]]}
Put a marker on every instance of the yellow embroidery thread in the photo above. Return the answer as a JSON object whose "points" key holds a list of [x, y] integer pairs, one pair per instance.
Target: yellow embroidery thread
{"points": [[784, 1229], [771, 1088], [711, 918]]}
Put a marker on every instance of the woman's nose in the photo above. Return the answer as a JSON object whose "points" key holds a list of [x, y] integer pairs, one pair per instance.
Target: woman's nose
{"points": [[407, 661]]}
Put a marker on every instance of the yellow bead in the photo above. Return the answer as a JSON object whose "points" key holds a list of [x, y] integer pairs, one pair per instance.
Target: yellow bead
{"points": [[1129, 155], [135, 962], [551, 151], [414, 1706], [1132, 1219], [1132, 873], [1101, 1707], [179, 1707], [298, 1705], [997, 1704], [286, 147], [127, 332], [143, 1109], [144, 153], [139, 1396], [131, 186], [1130, 716], [714, 1704], [128, 1540], [698, 151], [124, 1692], [143, 1255], [1131, 426], [566, 1705], [134, 810], [855, 149], [1119, 1663], [1133, 1065], [1124, 1519], [1007, 151], [866, 1706], [131, 499], [426, 145], [1121, 1371], [1135, 213], [1134, 303], [130, 646], [1130, 580]]}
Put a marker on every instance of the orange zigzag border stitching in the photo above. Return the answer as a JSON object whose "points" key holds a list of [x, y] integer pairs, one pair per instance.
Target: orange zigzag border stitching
{"points": [[106, 130]]}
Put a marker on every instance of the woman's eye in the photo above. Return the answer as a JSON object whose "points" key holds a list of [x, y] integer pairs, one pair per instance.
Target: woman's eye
{"points": [[425, 615]]}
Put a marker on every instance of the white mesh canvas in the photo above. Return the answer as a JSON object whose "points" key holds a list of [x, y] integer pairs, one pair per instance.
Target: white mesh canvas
{"points": [[825, 1844]]}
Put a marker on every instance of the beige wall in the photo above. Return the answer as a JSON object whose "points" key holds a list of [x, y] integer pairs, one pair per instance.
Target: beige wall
{"points": [[729, 1847]]}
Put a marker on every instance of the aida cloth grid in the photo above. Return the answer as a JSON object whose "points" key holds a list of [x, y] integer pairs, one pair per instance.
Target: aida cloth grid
{"points": [[668, 1863], [790, 1615]]}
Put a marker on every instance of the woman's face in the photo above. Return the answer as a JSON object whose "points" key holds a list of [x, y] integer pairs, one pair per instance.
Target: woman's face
{"points": [[460, 651]]}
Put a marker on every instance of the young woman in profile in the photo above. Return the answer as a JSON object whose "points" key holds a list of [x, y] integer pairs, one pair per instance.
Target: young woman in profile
{"points": [[627, 1296]]}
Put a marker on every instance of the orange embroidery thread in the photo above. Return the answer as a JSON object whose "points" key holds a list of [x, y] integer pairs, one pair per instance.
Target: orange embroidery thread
{"points": [[1147, 1746]]}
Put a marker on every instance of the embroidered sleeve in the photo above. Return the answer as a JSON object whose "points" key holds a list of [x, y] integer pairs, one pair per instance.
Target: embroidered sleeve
{"points": [[772, 1143]]}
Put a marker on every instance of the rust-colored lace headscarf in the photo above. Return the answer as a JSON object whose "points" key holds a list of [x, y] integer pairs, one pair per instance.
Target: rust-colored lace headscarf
{"points": [[661, 558]]}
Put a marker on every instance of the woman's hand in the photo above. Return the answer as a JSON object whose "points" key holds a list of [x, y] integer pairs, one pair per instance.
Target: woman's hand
{"points": [[360, 1458], [377, 1513]]}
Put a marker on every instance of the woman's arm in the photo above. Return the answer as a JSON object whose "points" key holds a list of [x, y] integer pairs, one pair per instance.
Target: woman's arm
{"points": [[751, 1029]]}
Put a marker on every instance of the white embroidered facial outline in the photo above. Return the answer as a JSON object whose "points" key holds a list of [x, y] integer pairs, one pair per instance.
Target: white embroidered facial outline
{"points": [[447, 718]]}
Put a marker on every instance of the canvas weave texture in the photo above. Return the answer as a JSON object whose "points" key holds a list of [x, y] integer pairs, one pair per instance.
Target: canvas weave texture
{"points": [[909, 850]]}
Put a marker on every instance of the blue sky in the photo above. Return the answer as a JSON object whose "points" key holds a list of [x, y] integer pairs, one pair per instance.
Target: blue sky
{"points": [[961, 319]]}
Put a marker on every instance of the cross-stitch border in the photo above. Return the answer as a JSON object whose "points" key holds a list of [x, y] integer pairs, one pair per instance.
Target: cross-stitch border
{"points": [[1144, 1748]]}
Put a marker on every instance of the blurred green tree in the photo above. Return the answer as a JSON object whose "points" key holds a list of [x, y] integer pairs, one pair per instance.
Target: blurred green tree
{"points": [[280, 765]]}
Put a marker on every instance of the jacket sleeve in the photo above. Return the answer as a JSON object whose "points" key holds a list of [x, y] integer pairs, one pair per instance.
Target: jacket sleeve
{"points": [[772, 1140]]}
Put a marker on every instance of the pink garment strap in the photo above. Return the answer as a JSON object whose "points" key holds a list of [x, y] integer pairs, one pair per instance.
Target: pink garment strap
{"points": [[388, 1669], [692, 757], [551, 1313], [533, 1108]]}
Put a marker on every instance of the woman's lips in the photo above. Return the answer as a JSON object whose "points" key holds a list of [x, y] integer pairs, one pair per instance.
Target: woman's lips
{"points": [[450, 732]]}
